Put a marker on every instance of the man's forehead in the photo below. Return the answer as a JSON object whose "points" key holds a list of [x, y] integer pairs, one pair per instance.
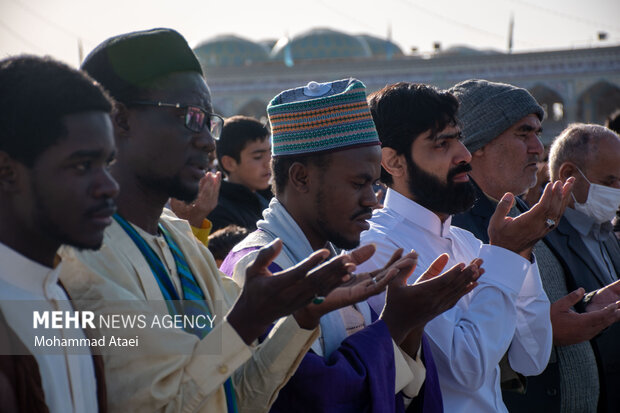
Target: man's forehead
{"points": [[606, 149], [260, 145], [89, 134], [363, 160], [451, 131], [527, 122]]}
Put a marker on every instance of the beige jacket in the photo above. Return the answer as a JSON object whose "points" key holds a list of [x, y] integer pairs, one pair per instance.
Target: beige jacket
{"points": [[171, 370]]}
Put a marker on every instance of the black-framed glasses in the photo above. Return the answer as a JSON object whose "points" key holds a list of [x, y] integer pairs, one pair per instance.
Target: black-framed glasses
{"points": [[195, 117]]}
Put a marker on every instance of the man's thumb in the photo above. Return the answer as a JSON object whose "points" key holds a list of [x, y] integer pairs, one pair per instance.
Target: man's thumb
{"points": [[265, 256], [570, 299]]}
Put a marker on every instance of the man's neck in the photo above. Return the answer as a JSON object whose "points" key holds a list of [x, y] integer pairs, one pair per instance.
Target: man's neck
{"points": [[310, 229], [442, 217], [31, 244], [488, 190]]}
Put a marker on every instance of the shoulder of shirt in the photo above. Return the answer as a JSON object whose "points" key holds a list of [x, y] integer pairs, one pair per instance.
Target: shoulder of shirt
{"points": [[116, 242], [463, 233], [384, 219], [168, 216], [180, 227]]}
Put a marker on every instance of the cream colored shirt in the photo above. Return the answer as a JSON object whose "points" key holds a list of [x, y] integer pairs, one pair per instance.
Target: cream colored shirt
{"points": [[68, 380], [190, 378]]}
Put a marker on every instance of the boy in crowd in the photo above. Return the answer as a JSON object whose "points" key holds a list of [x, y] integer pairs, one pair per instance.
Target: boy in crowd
{"points": [[243, 154]]}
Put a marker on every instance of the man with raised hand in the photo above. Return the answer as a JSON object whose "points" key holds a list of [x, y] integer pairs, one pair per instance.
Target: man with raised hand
{"points": [[584, 241], [425, 166], [164, 128], [325, 159], [505, 153]]}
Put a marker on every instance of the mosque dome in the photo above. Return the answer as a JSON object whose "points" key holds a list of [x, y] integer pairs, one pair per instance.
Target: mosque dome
{"points": [[321, 44], [380, 47], [268, 43], [230, 50]]}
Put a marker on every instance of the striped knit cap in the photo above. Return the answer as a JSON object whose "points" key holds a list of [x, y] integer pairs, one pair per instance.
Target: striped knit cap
{"points": [[321, 117]]}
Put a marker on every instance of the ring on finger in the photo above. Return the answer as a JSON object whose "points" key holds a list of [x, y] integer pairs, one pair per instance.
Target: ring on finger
{"points": [[318, 299], [550, 223]]}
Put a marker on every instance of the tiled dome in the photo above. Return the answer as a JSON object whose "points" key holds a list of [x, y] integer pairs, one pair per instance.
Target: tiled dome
{"points": [[230, 50], [380, 47], [321, 44]]}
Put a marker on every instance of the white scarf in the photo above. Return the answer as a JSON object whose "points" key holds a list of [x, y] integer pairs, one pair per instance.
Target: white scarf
{"points": [[278, 223]]}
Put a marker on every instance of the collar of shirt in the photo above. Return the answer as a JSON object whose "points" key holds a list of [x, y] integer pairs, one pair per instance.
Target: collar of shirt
{"points": [[161, 248], [28, 275], [417, 214], [587, 226]]}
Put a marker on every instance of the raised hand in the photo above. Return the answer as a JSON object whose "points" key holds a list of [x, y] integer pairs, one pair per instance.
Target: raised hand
{"points": [[206, 201], [265, 297], [521, 233], [360, 287], [570, 327], [410, 307]]}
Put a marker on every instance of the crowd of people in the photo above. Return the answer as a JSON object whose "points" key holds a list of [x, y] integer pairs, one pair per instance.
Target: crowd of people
{"points": [[456, 287]]}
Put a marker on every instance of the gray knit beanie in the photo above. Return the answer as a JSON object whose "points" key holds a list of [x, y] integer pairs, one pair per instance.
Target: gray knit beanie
{"points": [[487, 109]]}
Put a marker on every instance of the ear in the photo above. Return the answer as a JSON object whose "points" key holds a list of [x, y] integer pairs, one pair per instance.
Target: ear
{"points": [[9, 173], [393, 163], [299, 178], [229, 163], [568, 169], [120, 120]]}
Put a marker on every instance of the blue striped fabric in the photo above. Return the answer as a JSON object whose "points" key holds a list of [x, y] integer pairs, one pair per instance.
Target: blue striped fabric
{"points": [[193, 298]]}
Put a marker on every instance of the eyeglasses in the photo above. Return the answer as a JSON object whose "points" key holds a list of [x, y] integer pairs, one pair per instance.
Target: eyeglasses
{"points": [[195, 117]]}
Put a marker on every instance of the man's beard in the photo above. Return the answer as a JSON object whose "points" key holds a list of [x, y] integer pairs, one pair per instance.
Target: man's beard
{"points": [[179, 191], [341, 242], [173, 187], [446, 198]]}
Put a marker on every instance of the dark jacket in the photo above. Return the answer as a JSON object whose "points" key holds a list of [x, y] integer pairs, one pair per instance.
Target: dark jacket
{"points": [[543, 391], [582, 271], [237, 205]]}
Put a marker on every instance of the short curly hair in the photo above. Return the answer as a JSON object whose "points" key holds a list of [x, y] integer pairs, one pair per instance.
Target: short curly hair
{"points": [[35, 94]]}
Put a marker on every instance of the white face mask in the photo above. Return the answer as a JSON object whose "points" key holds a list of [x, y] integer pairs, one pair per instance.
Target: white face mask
{"points": [[602, 203]]}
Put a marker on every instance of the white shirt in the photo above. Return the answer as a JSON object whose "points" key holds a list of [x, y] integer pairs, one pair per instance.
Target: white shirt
{"points": [[507, 311], [68, 380]]}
